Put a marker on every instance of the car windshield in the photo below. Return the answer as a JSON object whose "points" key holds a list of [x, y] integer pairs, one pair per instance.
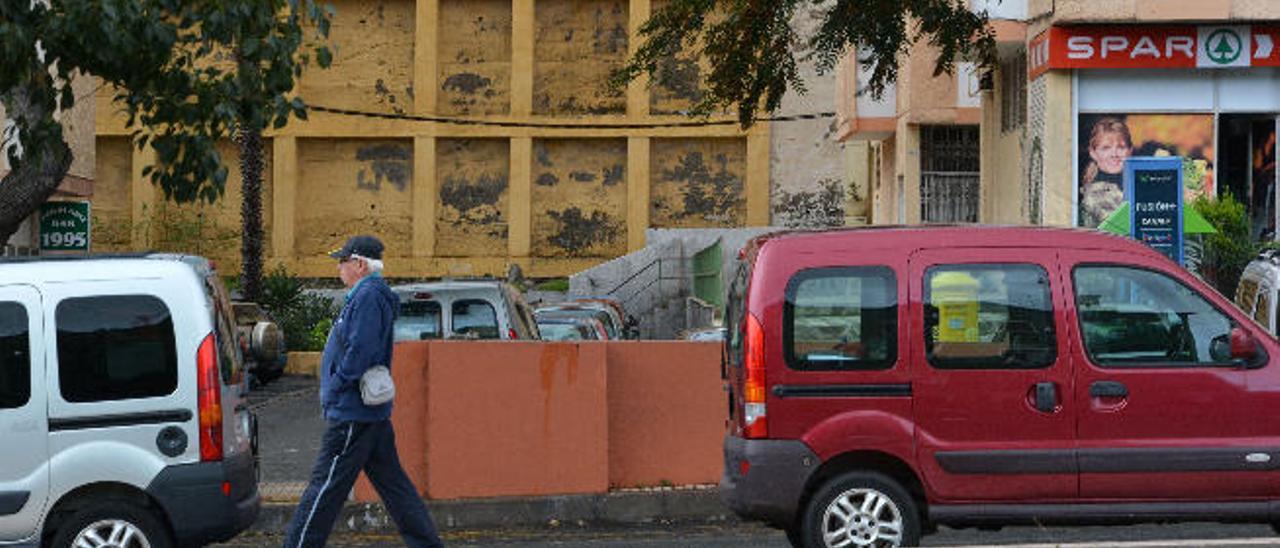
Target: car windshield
{"points": [[418, 320]]}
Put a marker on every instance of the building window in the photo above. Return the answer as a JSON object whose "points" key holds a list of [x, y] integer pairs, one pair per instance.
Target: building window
{"points": [[949, 174], [1013, 93]]}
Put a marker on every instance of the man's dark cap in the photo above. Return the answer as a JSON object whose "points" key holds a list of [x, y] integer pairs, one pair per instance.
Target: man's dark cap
{"points": [[365, 246]]}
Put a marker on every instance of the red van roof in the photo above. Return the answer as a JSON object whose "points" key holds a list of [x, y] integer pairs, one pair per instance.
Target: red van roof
{"points": [[934, 236]]}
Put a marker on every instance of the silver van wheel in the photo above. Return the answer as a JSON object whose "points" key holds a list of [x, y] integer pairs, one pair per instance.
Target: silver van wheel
{"points": [[862, 517], [111, 533]]}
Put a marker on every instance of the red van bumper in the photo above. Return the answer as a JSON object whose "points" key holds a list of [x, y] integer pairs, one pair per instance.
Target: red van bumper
{"points": [[764, 480]]}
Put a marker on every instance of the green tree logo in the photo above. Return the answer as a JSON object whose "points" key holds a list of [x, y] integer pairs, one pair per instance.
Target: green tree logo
{"points": [[1223, 46]]}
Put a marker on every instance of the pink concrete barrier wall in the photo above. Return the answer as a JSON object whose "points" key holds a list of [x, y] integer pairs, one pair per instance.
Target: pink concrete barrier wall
{"points": [[667, 413], [488, 419]]}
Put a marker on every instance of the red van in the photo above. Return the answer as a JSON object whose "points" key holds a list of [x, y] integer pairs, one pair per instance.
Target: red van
{"points": [[883, 381]]}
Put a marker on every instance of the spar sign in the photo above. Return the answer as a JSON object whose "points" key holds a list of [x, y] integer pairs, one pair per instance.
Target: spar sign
{"points": [[1174, 46]]}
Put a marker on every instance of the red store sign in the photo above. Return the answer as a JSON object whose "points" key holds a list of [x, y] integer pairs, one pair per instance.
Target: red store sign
{"points": [[1113, 47]]}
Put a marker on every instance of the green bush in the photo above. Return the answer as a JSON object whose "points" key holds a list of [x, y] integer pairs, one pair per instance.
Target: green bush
{"points": [[1224, 255], [554, 284], [304, 318]]}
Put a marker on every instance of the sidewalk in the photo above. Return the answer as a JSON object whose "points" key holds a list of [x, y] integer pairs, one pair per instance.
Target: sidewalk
{"points": [[290, 427]]}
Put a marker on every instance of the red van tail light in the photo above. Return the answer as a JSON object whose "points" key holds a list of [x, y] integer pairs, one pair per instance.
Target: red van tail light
{"points": [[209, 400], [753, 393]]}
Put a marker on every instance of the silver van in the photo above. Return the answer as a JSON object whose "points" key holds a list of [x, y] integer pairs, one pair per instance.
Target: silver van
{"points": [[122, 405], [479, 309]]}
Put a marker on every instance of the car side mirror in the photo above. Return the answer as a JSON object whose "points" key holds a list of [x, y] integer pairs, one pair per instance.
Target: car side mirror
{"points": [[1244, 349]]}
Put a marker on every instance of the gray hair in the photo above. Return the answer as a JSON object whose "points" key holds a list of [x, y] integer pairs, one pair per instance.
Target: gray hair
{"points": [[374, 264]]}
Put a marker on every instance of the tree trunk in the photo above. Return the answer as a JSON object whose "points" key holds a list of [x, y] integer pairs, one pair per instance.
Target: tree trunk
{"points": [[45, 161], [251, 213]]}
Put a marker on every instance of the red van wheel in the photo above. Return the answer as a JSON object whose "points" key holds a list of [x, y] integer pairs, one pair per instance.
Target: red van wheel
{"points": [[862, 509]]}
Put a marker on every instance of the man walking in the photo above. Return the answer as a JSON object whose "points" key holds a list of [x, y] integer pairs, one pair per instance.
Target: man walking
{"points": [[358, 436]]}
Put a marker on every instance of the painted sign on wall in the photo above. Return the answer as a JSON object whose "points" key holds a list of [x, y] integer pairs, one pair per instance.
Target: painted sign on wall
{"points": [[1154, 188], [64, 226], [1170, 46]]}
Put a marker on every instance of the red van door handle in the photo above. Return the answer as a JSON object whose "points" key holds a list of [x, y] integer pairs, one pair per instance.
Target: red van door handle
{"points": [[1108, 389], [1045, 397]]}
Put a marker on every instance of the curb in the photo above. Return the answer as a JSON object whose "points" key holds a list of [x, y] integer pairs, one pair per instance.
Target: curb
{"points": [[619, 507]]}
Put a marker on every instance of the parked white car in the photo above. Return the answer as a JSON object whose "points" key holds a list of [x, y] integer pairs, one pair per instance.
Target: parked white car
{"points": [[482, 309], [122, 405]]}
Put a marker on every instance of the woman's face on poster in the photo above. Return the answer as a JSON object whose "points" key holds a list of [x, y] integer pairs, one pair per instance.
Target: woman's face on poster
{"points": [[1110, 153]]}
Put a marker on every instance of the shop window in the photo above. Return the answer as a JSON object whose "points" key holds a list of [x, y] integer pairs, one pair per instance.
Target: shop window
{"points": [[841, 319], [995, 316]]}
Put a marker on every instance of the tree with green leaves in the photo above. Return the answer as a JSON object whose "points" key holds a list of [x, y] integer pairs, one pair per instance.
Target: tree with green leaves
{"points": [[751, 44], [186, 73]]}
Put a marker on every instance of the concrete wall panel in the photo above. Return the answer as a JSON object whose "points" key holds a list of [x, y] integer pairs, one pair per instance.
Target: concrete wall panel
{"points": [[475, 57], [347, 185], [373, 58], [473, 177], [698, 183], [516, 418], [112, 195], [579, 197], [577, 44], [679, 83], [665, 425]]}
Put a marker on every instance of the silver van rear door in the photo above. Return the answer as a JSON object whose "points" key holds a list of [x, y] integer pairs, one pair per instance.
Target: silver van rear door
{"points": [[24, 421]]}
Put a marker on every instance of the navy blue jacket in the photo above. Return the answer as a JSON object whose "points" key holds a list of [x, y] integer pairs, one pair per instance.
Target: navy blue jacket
{"points": [[360, 339]]}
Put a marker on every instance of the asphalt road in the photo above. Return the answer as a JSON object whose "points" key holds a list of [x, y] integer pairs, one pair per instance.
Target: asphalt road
{"points": [[737, 535]]}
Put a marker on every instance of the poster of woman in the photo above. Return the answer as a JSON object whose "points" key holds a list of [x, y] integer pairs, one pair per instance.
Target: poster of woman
{"points": [[1107, 140]]}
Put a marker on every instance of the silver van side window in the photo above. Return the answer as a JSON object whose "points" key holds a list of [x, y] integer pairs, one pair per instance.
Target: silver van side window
{"points": [[115, 347], [15, 356]]}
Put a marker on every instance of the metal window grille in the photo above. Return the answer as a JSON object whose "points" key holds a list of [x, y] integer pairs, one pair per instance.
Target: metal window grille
{"points": [[949, 174]]}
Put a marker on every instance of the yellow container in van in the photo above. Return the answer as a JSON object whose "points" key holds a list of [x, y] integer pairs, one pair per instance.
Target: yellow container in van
{"points": [[955, 294]]}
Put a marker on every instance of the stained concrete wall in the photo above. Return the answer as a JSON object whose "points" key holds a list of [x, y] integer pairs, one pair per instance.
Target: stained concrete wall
{"points": [[373, 58], [698, 183], [345, 184], [577, 44], [474, 177], [808, 174], [465, 199], [579, 197], [112, 205], [680, 81], [475, 57]]}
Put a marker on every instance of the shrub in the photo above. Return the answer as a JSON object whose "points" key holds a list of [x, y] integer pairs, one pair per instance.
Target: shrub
{"points": [[1224, 255], [299, 314]]}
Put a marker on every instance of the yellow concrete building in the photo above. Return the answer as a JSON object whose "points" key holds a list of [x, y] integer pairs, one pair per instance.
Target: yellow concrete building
{"points": [[1079, 80], [559, 175]]}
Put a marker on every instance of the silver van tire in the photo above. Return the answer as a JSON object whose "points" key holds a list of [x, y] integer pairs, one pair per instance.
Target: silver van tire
{"points": [[112, 523], [860, 510]]}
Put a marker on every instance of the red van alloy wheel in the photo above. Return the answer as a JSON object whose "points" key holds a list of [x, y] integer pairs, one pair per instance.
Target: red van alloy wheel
{"points": [[861, 509]]}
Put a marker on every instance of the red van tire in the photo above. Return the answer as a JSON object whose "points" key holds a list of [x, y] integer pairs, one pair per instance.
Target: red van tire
{"points": [[891, 518], [795, 536]]}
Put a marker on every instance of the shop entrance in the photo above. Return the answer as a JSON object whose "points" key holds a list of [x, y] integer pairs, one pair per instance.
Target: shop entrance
{"points": [[1247, 167]]}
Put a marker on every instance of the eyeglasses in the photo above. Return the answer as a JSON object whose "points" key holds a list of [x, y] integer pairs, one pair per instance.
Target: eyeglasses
{"points": [[345, 260]]}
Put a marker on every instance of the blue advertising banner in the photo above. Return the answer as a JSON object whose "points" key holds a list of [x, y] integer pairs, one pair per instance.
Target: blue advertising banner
{"points": [[1153, 185]]}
